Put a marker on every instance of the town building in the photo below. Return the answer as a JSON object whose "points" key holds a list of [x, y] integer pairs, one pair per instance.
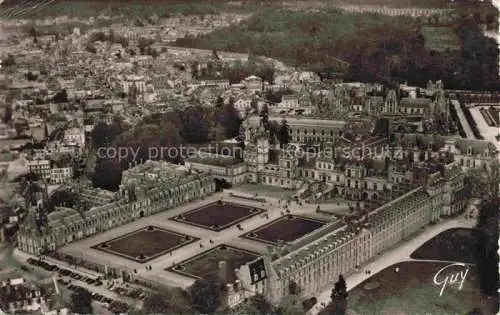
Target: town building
{"points": [[40, 167], [75, 136]]}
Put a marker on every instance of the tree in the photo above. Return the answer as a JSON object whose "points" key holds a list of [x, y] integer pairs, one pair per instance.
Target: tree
{"points": [[9, 61], [90, 48], [476, 311], [32, 32], [246, 309], [264, 114], [30, 76], [172, 301], [103, 134], [228, 116], [98, 37], [486, 232], [142, 43], [107, 174], [205, 296], [339, 296], [293, 288], [7, 114], [81, 302], [260, 303], [254, 105], [484, 182], [61, 97], [219, 102], [273, 97], [195, 69], [284, 136], [61, 198], [290, 305], [194, 126]]}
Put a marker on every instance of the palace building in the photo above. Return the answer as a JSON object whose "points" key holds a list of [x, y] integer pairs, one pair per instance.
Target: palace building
{"points": [[145, 189], [340, 247], [357, 166]]}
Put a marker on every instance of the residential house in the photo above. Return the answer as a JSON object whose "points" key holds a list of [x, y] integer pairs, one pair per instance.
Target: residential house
{"points": [[253, 83]]}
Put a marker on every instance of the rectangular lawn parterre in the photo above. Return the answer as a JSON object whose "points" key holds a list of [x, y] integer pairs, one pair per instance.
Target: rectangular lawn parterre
{"points": [[206, 265], [145, 244], [218, 216], [287, 229]]}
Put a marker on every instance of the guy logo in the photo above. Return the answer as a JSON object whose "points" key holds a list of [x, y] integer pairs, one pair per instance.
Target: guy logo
{"points": [[451, 278]]}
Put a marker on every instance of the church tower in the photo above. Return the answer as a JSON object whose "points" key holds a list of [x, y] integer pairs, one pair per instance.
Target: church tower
{"points": [[262, 149], [391, 102]]}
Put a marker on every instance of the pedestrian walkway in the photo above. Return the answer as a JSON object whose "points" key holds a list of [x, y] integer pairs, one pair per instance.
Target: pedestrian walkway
{"points": [[391, 257]]}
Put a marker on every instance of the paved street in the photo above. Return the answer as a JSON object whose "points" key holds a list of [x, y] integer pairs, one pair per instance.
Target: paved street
{"points": [[401, 253], [9, 262], [17, 256]]}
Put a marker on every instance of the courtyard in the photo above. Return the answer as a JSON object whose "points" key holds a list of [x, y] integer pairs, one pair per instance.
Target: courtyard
{"points": [[206, 265], [287, 229], [264, 191], [145, 244], [218, 215]]}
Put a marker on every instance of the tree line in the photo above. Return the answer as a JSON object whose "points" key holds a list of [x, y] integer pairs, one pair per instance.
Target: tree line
{"points": [[374, 47], [194, 125]]}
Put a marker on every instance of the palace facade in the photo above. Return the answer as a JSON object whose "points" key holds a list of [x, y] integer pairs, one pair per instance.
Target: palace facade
{"points": [[340, 247], [355, 166], [145, 190]]}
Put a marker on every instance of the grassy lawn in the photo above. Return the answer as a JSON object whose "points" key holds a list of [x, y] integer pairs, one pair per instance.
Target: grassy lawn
{"points": [[216, 216], [288, 229], [411, 292], [440, 38], [206, 264], [450, 245], [145, 244]]}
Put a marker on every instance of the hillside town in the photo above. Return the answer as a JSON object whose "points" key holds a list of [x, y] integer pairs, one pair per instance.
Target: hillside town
{"points": [[140, 176]]}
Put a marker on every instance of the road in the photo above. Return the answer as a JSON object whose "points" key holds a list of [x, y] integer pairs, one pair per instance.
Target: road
{"points": [[9, 260], [463, 120], [392, 256]]}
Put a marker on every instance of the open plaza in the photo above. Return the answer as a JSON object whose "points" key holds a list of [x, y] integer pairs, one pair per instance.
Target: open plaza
{"points": [[165, 249]]}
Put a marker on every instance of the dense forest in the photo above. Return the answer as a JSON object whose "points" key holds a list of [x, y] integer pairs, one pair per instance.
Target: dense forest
{"points": [[374, 47]]}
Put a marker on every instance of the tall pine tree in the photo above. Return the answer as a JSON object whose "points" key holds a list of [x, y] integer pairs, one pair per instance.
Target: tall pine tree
{"points": [[339, 297]]}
